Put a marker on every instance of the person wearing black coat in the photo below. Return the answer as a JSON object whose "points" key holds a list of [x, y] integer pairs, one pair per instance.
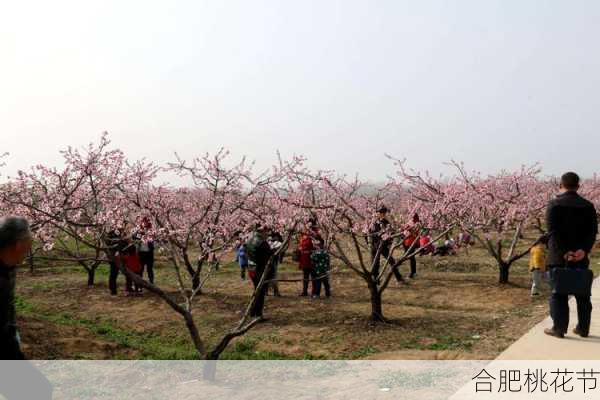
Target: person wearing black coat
{"points": [[260, 253], [116, 243], [382, 247], [572, 226], [15, 243], [145, 249]]}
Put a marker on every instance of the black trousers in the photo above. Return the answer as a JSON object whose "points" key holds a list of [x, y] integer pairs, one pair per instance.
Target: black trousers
{"points": [[413, 259], [112, 276], [147, 261], [308, 275], [259, 302], [559, 311], [385, 253], [322, 281], [413, 266]]}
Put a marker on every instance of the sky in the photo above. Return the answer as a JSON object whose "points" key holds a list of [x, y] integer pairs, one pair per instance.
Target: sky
{"points": [[495, 84]]}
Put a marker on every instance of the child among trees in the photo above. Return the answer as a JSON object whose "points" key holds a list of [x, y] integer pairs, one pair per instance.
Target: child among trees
{"points": [[537, 265], [241, 256], [321, 262]]}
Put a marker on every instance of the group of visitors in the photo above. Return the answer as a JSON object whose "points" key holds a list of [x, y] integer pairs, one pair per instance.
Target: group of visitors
{"points": [[571, 222], [261, 254], [134, 252], [414, 241], [314, 261]]}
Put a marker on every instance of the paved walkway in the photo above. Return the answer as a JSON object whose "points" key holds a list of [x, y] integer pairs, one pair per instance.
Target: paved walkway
{"points": [[535, 345]]}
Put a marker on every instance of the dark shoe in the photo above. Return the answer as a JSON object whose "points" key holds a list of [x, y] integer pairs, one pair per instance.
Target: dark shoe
{"points": [[577, 331], [303, 294], [552, 332]]}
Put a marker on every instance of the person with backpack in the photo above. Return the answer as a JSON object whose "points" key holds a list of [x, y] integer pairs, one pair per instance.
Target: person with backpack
{"points": [[259, 254], [572, 225], [321, 262]]}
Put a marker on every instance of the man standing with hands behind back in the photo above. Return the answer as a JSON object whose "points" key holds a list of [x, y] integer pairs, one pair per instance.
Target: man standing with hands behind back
{"points": [[572, 224]]}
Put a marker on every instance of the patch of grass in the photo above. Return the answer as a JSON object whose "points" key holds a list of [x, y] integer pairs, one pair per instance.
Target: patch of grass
{"points": [[150, 346], [245, 349], [450, 343], [441, 343], [45, 285], [23, 306], [362, 352]]}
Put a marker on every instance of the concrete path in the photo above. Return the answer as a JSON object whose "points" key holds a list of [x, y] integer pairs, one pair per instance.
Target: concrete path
{"points": [[535, 345]]}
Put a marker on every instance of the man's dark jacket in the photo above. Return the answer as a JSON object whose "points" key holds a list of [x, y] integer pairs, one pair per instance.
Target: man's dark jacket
{"points": [[378, 227], [572, 224], [9, 343], [259, 252]]}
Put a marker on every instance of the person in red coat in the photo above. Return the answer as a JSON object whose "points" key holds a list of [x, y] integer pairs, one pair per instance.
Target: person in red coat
{"points": [[411, 243], [131, 260], [305, 249]]}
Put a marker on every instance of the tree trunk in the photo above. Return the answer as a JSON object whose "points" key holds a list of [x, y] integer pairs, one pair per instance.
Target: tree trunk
{"points": [[30, 262], [504, 269], [376, 306], [91, 276], [196, 282]]}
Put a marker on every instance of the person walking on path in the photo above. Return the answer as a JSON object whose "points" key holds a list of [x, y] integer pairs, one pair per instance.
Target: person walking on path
{"points": [[15, 243], [572, 224]]}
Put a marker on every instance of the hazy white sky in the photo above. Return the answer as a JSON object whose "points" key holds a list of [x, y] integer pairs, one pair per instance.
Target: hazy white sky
{"points": [[493, 83]]}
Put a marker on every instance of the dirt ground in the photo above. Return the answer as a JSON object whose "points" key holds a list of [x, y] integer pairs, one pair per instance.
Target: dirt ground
{"points": [[453, 310]]}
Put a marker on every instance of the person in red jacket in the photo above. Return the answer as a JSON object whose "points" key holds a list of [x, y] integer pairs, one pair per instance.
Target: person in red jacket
{"points": [[131, 260], [426, 245], [411, 243], [305, 248]]}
